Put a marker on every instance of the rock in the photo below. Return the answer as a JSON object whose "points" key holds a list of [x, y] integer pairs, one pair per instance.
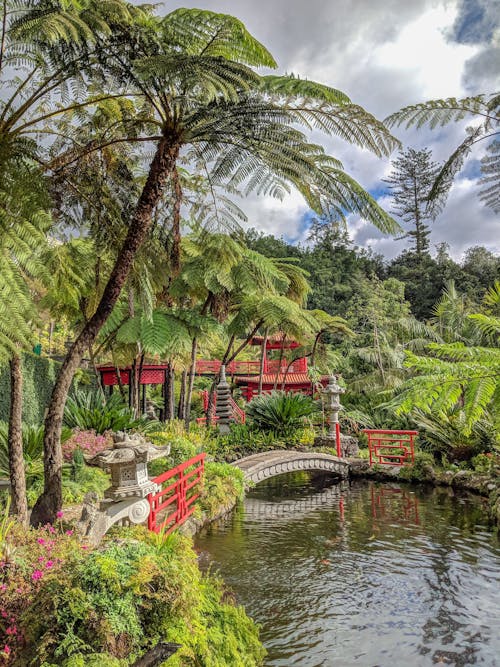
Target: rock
{"points": [[349, 444]]}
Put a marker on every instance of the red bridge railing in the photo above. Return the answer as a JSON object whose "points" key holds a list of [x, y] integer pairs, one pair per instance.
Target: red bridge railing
{"points": [[391, 448], [174, 502]]}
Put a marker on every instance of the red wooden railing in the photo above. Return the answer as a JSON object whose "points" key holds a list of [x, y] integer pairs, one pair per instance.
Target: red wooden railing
{"points": [[212, 366], [175, 500], [392, 448]]}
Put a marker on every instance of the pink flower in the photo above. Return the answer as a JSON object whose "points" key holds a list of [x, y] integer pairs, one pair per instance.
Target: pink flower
{"points": [[84, 546], [60, 514], [49, 563], [11, 630], [41, 559], [40, 540], [37, 574], [3, 613], [52, 529], [69, 532], [6, 649], [3, 587]]}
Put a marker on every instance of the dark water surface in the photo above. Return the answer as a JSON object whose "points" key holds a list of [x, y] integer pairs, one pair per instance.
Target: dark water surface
{"points": [[368, 575]]}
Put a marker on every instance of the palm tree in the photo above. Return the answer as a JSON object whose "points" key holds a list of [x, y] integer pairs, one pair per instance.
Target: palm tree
{"points": [[34, 40]]}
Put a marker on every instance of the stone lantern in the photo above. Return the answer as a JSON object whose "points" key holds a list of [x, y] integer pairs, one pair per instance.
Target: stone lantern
{"points": [[346, 445], [125, 500], [332, 393]]}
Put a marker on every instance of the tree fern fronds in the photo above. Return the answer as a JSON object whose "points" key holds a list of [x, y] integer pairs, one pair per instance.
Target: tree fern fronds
{"points": [[293, 87], [490, 169], [488, 324], [347, 193], [437, 113], [492, 298], [205, 33], [451, 167]]}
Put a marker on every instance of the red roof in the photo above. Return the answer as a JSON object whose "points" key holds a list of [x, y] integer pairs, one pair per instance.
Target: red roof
{"points": [[270, 378], [275, 341]]}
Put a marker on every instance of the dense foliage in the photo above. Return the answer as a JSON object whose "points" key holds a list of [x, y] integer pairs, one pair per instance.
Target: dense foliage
{"points": [[63, 604]]}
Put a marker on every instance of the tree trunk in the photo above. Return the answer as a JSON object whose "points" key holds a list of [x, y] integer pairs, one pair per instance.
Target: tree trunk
{"points": [[262, 360], [160, 169], [192, 374], [182, 397], [280, 361], [15, 443], [175, 253], [171, 394]]}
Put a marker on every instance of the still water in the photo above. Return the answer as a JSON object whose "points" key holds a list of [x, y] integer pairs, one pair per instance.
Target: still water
{"points": [[368, 575]]}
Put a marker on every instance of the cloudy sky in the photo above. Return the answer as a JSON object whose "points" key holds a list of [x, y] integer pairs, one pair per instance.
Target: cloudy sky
{"points": [[385, 54]]}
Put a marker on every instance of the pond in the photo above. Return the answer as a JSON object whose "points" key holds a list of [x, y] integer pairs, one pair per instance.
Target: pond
{"points": [[370, 575]]}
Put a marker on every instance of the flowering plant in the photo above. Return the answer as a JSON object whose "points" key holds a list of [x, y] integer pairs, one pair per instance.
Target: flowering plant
{"points": [[33, 557], [89, 442]]}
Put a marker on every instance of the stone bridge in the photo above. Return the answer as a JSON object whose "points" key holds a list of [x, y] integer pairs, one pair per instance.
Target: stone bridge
{"points": [[258, 467]]}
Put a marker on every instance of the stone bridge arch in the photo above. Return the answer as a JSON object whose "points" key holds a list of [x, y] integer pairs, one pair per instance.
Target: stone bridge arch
{"points": [[259, 467]]}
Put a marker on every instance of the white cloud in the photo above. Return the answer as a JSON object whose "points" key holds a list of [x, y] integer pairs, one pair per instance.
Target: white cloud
{"points": [[423, 53], [385, 54]]}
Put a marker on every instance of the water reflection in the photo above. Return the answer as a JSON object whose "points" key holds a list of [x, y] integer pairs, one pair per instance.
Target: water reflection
{"points": [[394, 502], [367, 575]]}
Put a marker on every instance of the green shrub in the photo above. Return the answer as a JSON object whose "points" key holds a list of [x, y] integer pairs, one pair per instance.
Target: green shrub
{"points": [[421, 470], [123, 598], [223, 486], [243, 440], [281, 412], [486, 463], [87, 411], [183, 445]]}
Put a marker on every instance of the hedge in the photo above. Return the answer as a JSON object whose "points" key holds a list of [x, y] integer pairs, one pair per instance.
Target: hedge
{"points": [[39, 374]]}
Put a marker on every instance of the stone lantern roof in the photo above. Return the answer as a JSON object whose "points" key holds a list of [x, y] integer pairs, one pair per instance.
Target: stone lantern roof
{"points": [[127, 462]]}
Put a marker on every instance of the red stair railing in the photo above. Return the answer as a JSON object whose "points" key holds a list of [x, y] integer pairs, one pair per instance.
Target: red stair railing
{"points": [[239, 415]]}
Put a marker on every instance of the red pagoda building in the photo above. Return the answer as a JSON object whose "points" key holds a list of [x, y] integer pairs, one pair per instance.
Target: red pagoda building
{"points": [[278, 373]]}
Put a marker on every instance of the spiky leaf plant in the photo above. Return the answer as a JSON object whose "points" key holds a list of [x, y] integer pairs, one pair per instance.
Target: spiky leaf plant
{"points": [[281, 412]]}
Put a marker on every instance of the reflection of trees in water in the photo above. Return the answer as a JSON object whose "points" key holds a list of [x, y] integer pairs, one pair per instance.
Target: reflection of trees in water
{"points": [[395, 584], [444, 629]]}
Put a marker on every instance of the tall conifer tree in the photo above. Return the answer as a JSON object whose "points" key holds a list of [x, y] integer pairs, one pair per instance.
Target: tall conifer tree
{"points": [[410, 183]]}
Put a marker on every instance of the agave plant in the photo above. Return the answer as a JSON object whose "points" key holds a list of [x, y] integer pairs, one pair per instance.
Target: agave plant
{"points": [[87, 411], [281, 412]]}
